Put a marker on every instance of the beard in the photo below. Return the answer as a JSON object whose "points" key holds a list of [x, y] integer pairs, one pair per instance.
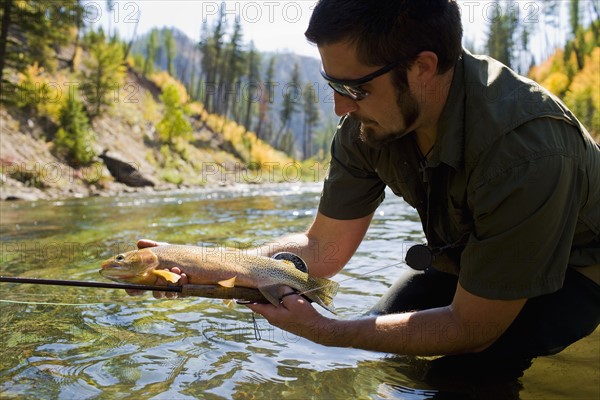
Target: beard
{"points": [[408, 108]]}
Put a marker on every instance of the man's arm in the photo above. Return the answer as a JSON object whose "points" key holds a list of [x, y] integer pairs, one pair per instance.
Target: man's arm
{"points": [[470, 324], [326, 246]]}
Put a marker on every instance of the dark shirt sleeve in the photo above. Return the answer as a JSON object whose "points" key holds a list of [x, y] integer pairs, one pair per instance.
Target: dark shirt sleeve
{"points": [[525, 211], [352, 188]]}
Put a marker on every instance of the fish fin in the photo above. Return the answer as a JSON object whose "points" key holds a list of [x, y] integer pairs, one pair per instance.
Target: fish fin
{"points": [[168, 275], [229, 303], [148, 257], [229, 283], [322, 292], [271, 293]]}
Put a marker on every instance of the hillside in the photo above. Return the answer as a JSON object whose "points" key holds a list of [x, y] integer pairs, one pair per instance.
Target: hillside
{"points": [[82, 114], [187, 68], [218, 152]]}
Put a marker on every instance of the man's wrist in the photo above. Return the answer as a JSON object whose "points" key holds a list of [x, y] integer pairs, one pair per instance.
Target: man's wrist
{"points": [[330, 332]]}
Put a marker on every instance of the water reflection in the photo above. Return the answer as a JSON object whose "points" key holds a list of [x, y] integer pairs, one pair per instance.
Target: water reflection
{"points": [[84, 343]]}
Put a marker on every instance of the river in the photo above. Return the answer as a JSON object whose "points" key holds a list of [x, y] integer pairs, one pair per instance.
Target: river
{"points": [[83, 343]]}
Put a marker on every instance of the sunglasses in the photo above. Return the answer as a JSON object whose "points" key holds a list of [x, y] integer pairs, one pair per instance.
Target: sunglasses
{"points": [[352, 88]]}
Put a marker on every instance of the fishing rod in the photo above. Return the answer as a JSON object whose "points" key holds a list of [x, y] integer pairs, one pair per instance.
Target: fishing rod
{"points": [[243, 294], [209, 291]]}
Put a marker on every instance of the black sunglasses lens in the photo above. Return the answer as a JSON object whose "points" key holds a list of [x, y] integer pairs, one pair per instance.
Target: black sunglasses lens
{"points": [[353, 92]]}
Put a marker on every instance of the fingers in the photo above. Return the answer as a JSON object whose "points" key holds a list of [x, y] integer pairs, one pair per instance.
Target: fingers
{"points": [[283, 296], [261, 309], [292, 300], [286, 292], [183, 280], [289, 300], [143, 243], [135, 292], [293, 314]]}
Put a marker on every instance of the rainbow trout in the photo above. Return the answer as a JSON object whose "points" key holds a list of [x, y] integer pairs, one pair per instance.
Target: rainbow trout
{"points": [[214, 266]]}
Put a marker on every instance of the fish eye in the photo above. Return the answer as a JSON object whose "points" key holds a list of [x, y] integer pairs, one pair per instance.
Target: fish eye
{"points": [[120, 257]]}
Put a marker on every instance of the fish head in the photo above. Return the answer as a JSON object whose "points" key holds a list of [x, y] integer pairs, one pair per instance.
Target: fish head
{"points": [[131, 267]]}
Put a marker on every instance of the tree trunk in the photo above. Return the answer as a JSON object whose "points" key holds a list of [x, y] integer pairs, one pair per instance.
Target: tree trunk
{"points": [[6, 10]]}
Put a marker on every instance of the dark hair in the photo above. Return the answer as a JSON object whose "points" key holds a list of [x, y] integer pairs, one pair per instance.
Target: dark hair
{"points": [[391, 30]]}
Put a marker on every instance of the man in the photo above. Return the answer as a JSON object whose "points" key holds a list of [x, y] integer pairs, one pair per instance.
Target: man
{"points": [[504, 178]]}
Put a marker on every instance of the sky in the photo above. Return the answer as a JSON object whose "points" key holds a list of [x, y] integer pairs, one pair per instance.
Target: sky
{"points": [[279, 25], [271, 25]]}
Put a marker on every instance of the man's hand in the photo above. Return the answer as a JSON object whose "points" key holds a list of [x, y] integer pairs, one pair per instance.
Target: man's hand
{"points": [[296, 315], [470, 324], [144, 243]]}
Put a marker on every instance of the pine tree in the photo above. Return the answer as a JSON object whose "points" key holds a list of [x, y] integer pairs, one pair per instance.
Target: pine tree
{"points": [[170, 48], [174, 123], [74, 139], [232, 70], [104, 72], [291, 99], [574, 17], [500, 43], [150, 53], [253, 84], [192, 83], [287, 143], [266, 100], [205, 61], [323, 136], [7, 7], [576, 32], [214, 47], [311, 118], [31, 32]]}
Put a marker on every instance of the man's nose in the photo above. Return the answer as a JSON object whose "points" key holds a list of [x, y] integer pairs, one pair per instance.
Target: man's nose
{"points": [[343, 105]]}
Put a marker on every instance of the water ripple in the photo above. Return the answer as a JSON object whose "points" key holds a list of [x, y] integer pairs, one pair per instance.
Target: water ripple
{"points": [[69, 343]]}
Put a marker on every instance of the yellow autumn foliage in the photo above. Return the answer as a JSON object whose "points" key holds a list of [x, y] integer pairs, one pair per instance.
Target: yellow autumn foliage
{"points": [[540, 72], [254, 153], [579, 89], [557, 83], [252, 149], [150, 110], [197, 110], [41, 91], [583, 95], [163, 79]]}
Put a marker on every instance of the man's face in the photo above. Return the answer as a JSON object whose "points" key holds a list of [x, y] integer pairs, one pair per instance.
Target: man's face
{"points": [[389, 111]]}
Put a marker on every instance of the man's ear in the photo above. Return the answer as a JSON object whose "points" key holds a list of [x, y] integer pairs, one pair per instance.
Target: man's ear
{"points": [[425, 67]]}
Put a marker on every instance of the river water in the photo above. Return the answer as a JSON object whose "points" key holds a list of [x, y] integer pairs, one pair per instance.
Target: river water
{"points": [[78, 343]]}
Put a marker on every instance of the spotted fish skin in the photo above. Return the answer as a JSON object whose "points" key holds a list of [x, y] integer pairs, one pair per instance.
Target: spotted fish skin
{"points": [[212, 266]]}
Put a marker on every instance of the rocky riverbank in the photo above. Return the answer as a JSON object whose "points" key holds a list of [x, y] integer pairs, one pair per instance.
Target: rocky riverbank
{"points": [[130, 157]]}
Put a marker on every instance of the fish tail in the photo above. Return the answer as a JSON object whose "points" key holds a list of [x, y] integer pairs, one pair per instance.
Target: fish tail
{"points": [[322, 292]]}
